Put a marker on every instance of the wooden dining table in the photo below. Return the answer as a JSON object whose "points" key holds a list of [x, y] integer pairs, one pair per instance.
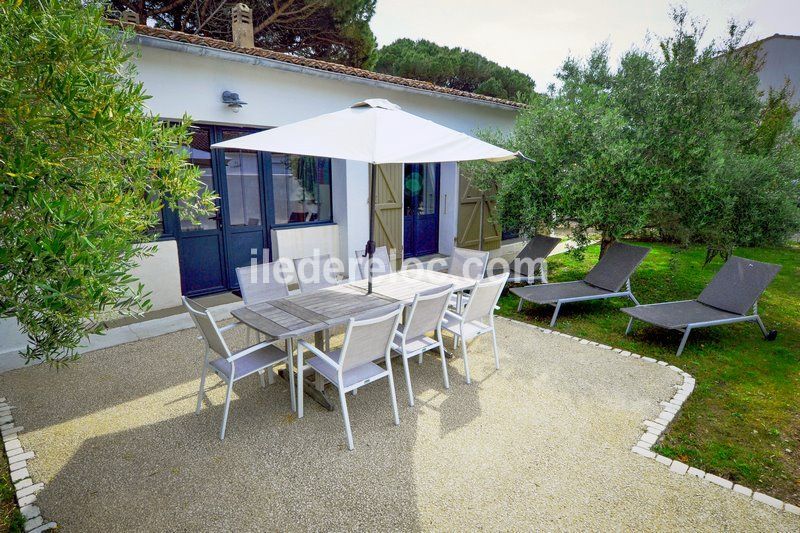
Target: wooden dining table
{"points": [[315, 312]]}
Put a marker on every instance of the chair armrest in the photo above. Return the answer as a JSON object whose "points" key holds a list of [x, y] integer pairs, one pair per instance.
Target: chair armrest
{"points": [[454, 315], [223, 329], [319, 353], [231, 326], [250, 350]]}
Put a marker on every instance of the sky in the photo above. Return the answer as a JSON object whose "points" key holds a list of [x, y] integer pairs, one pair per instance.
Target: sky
{"points": [[535, 36]]}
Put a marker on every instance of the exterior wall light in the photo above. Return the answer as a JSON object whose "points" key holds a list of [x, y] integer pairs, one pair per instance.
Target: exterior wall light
{"points": [[233, 101]]}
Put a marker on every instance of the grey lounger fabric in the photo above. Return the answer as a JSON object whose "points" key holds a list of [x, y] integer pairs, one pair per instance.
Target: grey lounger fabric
{"points": [[549, 293], [604, 280], [738, 284], [616, 266], [677, 315], [537, 249], [729, 296]]}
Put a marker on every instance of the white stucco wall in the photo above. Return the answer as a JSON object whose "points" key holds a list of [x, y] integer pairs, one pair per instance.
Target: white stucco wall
{"points": [[781, 57], [350, 208], [183, 82], [160, 275], [12, 341]]}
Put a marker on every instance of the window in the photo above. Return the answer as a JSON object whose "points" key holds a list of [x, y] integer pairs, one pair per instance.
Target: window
{"points": [[301, 189], [242, 180]]}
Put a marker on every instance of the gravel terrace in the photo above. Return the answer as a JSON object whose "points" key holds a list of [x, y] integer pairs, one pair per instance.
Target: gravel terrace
{"points": [[543, 443]]}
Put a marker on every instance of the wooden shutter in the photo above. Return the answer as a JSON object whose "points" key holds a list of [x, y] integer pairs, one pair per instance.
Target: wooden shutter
{"points": [[389, 209], [469, 216]]}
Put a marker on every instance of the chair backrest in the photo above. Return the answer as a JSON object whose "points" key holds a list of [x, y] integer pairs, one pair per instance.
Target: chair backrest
{"points": [[208, 328], [738, 284], [381, 263], [317, 272], [616, 266], [468, 263], [484, 296], [536, 251], [368, 338], [427, 311], [267, 281]]}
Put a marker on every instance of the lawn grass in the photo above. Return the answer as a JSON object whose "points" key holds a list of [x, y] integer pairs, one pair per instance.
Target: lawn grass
{"points": [[11, 520], [742, 421]]}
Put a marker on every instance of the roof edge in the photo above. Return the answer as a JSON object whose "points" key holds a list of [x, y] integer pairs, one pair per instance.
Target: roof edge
{"points": [[769, 38], [188, 43]]}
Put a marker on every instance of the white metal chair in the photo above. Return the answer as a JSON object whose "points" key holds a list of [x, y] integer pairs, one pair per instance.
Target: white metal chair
{"points": [[469, 264], [381, 263], [317, 272], [352, 366], [231, 367], [468, 325], [261, 283], [412, 338]]}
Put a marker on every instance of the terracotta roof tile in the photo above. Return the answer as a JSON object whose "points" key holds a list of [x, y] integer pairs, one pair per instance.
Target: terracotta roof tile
{"points": [[312, 63]]}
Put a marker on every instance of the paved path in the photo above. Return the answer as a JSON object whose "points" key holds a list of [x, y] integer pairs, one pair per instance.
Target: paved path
{"points": [[543, 443]]}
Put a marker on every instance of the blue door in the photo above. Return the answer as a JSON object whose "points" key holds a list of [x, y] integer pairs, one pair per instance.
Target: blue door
{"points": [[210, 250], [421, 209], [242, 174]]}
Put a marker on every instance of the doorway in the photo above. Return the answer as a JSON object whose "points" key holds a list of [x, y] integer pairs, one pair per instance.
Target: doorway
{"points": [[420, 209], [210, 250]]}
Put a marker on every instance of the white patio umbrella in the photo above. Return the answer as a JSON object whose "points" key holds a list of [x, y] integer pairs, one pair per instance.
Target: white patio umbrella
{"points": [[375, 131]]}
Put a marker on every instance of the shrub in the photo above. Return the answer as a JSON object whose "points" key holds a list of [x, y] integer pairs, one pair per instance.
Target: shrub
{"points": [[86, 170]]}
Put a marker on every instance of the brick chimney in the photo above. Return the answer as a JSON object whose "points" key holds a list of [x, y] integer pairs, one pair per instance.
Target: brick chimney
{"points": [[242, 26], [129, 16]]}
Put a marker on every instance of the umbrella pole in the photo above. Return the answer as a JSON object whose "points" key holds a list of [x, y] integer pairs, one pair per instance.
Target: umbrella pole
{"points": [[370, 249]]}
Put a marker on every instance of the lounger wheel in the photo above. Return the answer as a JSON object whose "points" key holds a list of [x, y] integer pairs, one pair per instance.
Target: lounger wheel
{"points": [[772, 335]]}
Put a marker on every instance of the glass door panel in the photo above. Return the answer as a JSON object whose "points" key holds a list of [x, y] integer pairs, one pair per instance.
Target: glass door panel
{"points": [[200, 156], [244, 189], [421, 209]]}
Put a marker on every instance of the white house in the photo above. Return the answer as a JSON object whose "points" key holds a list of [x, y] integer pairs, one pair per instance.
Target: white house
{"points": [[281, 202], [286, 204], [780, 55]]}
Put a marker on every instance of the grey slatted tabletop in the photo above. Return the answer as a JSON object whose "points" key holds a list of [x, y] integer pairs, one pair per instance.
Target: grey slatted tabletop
{"points": [[293, 316]]}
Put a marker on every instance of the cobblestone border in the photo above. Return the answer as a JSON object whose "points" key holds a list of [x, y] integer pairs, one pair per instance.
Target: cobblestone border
{"points": [[18, 459], [655, 428]]}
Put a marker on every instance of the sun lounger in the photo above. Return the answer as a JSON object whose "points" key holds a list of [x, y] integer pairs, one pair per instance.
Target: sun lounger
{"points": [[725, 300], [604, 280]]}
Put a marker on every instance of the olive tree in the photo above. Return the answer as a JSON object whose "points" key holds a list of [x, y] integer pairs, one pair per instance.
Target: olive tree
{"points": [[85, 170], [677, 143]]}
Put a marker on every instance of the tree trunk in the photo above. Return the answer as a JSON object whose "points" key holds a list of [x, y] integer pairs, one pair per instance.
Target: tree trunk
{"points": [[605, 241]]}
